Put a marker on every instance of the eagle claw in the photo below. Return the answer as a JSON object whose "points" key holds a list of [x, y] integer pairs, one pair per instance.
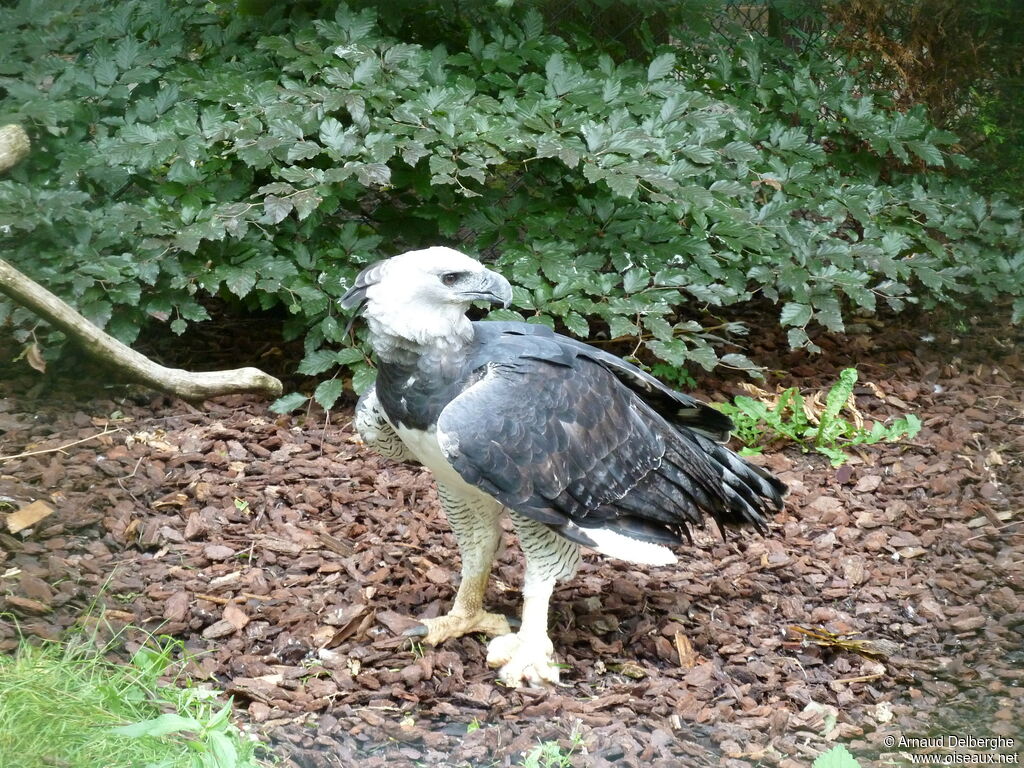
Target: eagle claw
{"points": [[522, 660], [436, 631]]}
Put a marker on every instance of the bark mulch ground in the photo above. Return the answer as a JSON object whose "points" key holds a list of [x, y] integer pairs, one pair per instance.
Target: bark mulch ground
{"points": [[288, 559]]}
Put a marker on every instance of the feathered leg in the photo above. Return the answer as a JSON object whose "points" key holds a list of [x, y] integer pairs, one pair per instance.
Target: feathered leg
{"points": [[476, 526], [375, 431], [528, 655]]}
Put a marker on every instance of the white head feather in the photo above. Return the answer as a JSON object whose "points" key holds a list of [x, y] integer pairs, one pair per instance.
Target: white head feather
{"points": [[420, 298]]}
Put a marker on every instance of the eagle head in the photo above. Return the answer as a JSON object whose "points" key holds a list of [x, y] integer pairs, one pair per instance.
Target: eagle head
{"points": [[422, 296]]}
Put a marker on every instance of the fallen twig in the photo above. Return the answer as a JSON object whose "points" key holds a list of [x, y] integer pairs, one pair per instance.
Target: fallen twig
{"points": [[237, 599], [59, 448], [872, 649], [860, 679]]}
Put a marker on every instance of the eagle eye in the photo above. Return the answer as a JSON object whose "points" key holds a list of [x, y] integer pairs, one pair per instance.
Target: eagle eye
{"points": [[451, 278]]}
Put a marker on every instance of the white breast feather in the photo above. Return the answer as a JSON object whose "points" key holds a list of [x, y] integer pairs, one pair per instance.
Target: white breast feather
{"points": [[425, 446]]}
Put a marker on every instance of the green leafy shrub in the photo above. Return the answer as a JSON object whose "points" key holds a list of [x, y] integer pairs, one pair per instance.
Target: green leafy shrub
{"points": [[185, 151], [793, 419]]}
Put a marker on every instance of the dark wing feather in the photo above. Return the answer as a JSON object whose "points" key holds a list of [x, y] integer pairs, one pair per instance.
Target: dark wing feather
{"points": [[557, 437], [675, 407]]}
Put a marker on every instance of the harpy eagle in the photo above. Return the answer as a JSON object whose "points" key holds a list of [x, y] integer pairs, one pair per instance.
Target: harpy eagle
{"points": [[576, 445]]}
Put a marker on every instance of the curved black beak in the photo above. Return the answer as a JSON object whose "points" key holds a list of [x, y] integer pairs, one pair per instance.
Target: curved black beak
{"points": [[490, 287]]}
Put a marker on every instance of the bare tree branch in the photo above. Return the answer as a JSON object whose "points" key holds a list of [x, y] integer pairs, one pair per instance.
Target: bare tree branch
{"points": [[184, 384], [14, 146]]}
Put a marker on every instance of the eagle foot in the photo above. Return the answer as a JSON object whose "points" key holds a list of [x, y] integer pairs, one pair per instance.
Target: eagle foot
{"points": [[436, 631], [523, 660]]}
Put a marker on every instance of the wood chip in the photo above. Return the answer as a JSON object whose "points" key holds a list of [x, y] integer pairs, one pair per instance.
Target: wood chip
{"points": [[279, 545], [28, 515], [26, 605], [219, 629], [218, 552], [176, 607], [235, 616], [867, 484], [688, 658]]}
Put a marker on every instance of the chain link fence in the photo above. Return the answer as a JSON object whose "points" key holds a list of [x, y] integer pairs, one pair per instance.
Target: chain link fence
{"points": [[798, 24]]}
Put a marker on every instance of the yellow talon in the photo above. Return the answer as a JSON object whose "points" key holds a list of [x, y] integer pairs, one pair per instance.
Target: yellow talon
{"points": [[436, 631]]}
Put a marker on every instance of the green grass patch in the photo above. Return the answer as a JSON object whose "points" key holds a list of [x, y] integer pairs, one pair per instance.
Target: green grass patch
{"points": [[65, 704]]}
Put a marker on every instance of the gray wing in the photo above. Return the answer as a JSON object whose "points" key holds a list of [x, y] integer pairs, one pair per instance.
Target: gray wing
{"points": [[565, 442], [676, 407]]}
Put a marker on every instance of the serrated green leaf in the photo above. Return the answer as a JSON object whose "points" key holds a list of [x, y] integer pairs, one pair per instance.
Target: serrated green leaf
{"points": [[105, 72], [830, 314], [303, 150], [327, 393], [795, 314], [659, 326], [317, 362], [620, 327], [622, 184], [635, 279], [239, 281], [703, 155], [661, 66], [837, 757], [363, 377], [741, 151], [373, 173], [554, 67], [577, 325], [366, 70], [673, 352], [288, 403], [742, 363], [276, 209], [349, 355], [332, 133], [1018, 311], [507, 315], [798, 338], [704, 356], [927, 152], [306, 201]]}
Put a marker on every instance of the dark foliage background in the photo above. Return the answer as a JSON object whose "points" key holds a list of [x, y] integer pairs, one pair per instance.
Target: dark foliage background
{"points": [[634, 168]]}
